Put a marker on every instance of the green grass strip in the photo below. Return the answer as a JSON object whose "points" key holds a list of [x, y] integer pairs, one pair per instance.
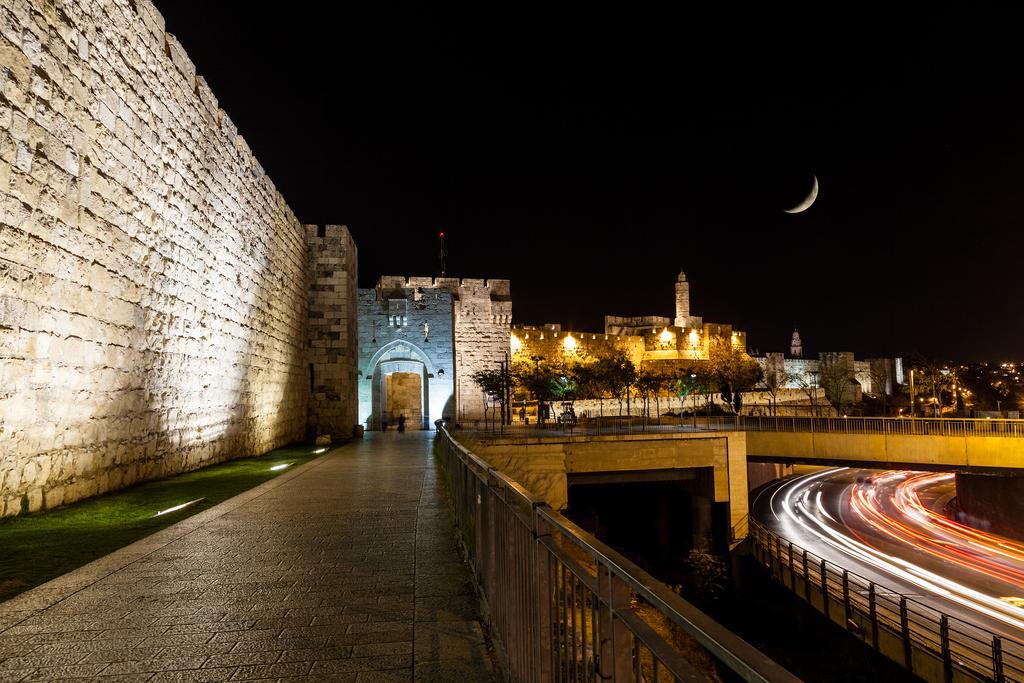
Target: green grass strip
{"points": [[38, 547]]}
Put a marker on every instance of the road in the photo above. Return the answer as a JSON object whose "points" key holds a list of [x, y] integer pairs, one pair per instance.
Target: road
{"points": [[887, 527]]}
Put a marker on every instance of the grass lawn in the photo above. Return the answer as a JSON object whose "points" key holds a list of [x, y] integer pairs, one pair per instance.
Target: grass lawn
{"points": [[38, 547]]}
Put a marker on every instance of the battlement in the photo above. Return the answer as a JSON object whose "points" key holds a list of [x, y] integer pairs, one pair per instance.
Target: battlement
{"points": [[498, 289]]}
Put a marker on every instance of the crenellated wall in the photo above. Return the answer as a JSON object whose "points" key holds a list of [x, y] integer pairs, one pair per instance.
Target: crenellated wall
{"points": [[482, 314], [153, 282]]}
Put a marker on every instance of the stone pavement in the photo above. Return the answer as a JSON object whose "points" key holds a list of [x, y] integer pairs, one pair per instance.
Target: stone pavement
{"points": [[344, 569]]}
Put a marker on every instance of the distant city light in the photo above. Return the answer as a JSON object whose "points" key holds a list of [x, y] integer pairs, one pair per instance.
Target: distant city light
{"points": [[280, 467], [179, 507]]}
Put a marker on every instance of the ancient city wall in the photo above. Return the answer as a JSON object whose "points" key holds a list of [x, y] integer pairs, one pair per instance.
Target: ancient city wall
{"points": [[483, 321], [332, 331], [153, 282]]}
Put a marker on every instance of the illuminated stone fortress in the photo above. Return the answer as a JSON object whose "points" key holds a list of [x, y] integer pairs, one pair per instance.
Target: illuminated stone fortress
{"points": [[649, 340]]}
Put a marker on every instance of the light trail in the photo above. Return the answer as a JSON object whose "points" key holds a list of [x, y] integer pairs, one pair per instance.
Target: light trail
{"points": [[890, 505]]}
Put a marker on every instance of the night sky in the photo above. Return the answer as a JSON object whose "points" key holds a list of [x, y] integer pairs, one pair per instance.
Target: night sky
{"points": [[589, 155]]}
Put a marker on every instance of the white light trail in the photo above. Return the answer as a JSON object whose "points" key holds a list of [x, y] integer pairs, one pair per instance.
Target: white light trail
{"points": [[811, 522]]}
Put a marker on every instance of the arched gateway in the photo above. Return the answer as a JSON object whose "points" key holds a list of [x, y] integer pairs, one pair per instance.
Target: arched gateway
{"points": [[420, 341], [400, 376]]}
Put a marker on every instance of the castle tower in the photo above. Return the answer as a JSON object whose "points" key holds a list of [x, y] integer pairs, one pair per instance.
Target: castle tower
{"points": [[796, 347], [682, 300]]}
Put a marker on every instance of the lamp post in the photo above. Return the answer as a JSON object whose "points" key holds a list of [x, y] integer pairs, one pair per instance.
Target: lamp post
{"points": [[814, 385]]}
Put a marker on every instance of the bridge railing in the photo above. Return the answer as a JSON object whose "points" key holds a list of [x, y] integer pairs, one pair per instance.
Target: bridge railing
{"points": [[924, 640], [563, 605], [918, 426]]}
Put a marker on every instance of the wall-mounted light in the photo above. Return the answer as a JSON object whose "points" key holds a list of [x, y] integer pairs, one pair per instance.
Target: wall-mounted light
{"points": [[569, 343], [516, 343]]}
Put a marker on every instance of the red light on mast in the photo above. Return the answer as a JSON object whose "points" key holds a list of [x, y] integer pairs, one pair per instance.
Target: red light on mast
{"points": [[443, 253]]}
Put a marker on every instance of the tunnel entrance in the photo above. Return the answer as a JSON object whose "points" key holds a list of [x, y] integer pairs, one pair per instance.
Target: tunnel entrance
{"points": [[654, 517]]}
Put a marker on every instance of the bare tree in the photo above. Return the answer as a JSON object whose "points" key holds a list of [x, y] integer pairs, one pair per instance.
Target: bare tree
{"points": [[878, 373], [809, 385], [837, 378], [772, 382]]}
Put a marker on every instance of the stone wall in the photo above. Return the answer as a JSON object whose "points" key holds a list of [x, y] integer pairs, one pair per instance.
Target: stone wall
{"points": [[332, 331], [153, 282], [483, 319]]}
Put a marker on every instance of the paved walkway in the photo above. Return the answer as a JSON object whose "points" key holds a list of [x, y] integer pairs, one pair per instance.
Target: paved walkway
{"points": [[344, 569]]}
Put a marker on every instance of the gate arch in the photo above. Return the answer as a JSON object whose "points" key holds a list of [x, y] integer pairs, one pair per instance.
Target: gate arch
{"points": [[398, 356]]}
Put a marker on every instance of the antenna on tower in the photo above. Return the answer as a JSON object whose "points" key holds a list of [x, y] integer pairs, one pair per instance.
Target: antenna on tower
{"points": [[443, 253]]}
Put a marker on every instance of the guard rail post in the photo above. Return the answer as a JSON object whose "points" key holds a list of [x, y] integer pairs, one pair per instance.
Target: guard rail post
{"points": [[824, 587], [616, 650], [807, 579], [542, 570], [997, 660], [908, 653], [846, 597], [947, 655], [792, 571], [873, 610]]}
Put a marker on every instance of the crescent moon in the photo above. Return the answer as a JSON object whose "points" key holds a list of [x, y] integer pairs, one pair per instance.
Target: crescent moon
{"points": [[806, 203]]}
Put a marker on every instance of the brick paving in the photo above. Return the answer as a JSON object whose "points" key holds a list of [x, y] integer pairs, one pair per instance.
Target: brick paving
{"points": [[344, 569]]}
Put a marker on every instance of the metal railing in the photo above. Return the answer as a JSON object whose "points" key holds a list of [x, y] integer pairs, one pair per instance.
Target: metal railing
{"points": [[917, 426], [564, 605], [932, 644], [609, 424]]}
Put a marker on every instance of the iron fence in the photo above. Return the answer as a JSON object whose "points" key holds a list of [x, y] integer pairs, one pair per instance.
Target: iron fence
{"points": [[917, 426], [564, 605], [932, 644]]}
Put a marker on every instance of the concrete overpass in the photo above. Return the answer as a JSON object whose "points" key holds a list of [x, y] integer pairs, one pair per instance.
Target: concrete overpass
{"points": [[712, 463], [987, 455], [993, 446]]}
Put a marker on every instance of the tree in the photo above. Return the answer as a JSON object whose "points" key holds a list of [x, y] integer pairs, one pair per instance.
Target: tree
{"points": [[650, 384], [878, 373], [683, 385], [588, 382], [809, 385], [618, 374], [836, 375], [773, 380], [936, 380], [541, 379], [496, 385], [734, 370], [708, 573]]}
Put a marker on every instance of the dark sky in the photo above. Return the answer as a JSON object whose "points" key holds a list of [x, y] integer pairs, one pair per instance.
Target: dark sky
{"points": [[589, 154]]}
